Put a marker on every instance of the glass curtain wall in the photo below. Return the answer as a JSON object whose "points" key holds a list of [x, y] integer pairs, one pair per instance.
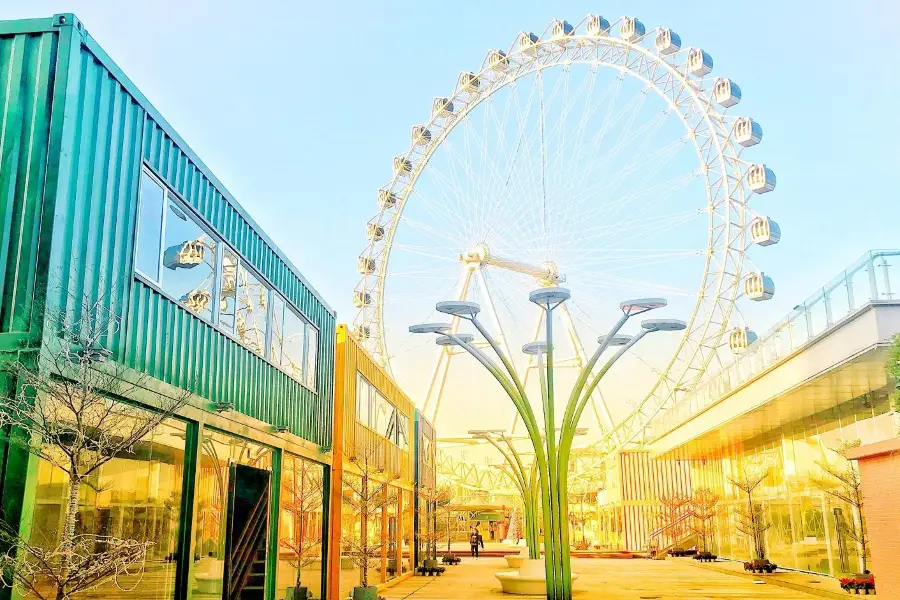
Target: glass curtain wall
{"points": [[810, 529], [300, 560], [218, 451], [134, 496]]}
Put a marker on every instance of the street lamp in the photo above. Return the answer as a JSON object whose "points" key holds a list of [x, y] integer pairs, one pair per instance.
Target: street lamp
{"points": [[551, 450]]}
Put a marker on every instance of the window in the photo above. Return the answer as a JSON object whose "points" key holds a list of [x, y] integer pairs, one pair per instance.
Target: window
{"points": [[362, 399], [174, 251], [312, 355], [375, 411], [294, 343], [381, 413], [228, 291], [251, 310], [189, 262], [149, 226]]}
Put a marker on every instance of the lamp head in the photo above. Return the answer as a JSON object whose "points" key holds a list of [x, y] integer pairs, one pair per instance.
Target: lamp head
{"points": [[446, 340], [458, 308], [430, 328], [550, 297], [581, 431], [535, 348], [620, 339], [641, 305], [663, 325]]}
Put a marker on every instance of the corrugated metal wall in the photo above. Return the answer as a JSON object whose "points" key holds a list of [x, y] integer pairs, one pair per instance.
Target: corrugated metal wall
{"points": [[110, 128], [644, 481], [355, 358], [27, 76]]}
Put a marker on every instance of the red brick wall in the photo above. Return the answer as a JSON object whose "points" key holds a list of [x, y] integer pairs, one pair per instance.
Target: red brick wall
{"points": [[881, 492]]}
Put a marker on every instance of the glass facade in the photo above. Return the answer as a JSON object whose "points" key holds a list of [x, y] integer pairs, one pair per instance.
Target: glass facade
{"points": [[809, 528], [133, 496], [300, 533]]}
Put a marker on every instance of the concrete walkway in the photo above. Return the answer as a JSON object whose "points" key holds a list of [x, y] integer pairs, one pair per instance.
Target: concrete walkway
{"points": [[614, 579]]}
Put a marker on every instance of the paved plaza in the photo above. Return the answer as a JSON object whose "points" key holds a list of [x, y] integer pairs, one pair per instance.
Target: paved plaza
{"points": [[637, 579]]}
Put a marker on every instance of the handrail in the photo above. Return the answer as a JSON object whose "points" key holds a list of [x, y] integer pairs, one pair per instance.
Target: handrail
{"points": [[817, 315]]}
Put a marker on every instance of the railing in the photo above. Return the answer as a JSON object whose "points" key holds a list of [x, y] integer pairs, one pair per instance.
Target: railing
{"points": [[868, 279]]}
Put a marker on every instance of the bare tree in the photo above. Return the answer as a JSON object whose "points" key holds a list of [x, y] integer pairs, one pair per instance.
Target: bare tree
{"points": [[69, 408], [842, 481], [304, 486], [705, 505], [368, 495], [751, 518], [673, 508], [432, 528]]}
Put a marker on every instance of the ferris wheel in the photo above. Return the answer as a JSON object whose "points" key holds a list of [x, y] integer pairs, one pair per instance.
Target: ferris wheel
{"points": [[604, 157]]}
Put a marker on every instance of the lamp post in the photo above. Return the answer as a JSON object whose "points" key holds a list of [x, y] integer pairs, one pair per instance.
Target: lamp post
{"points": [[551, 451]]}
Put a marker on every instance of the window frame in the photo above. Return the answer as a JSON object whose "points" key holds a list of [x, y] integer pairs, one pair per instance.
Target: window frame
{"points": [[156, 283], [393, 417]]}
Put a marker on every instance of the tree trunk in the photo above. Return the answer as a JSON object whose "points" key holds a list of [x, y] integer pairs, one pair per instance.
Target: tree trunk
{"points": [[364, 532], [67, 539]]}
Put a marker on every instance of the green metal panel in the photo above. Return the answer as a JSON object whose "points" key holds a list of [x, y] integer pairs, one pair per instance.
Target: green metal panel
{"points": [[109, 131], [27, 70]]}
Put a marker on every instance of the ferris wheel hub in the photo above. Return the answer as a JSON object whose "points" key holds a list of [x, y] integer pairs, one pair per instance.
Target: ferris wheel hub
{"points": [[546, 273]]}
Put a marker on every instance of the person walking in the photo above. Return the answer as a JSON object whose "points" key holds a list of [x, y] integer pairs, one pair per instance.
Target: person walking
{"points": [[473, 542]]}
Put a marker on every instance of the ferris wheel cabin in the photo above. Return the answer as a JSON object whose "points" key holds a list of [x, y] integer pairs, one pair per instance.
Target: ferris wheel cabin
{"points": [[442, 107], [497, 60], [362, 298], [402, 166], [747, 132], [632, 29], [366, 265], [387, 199], [761, 179], [375, 232], [726, 92], [764, 231], [420, 135], [468, 82], [699, 63], [597, 25], [528, 42], [667, 42], [759, 286], [740, 339], [560, 30]]}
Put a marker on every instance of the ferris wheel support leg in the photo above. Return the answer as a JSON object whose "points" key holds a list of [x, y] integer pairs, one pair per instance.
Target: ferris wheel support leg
{"points": [[604, 416], [439, 373], [529, 367], [492, 312]]}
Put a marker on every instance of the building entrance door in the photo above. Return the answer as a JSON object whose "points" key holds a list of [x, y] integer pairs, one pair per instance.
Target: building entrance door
{"points": [[247, 533]]}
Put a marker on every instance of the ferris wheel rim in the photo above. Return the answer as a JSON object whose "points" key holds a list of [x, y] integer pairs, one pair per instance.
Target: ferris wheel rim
{"points": [[724, 153]]}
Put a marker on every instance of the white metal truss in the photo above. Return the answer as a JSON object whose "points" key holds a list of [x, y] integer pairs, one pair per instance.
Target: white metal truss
{"points": [[690, 95]]}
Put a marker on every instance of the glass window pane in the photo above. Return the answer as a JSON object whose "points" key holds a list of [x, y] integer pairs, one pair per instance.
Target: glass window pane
{"points": [[228, 291], [135, 496], [218, 452], [362, 399], [294, 344], [149, 227], [312, 352], [252, 309], [189, 261], [300, 529], [382, 414], [278, 315]]}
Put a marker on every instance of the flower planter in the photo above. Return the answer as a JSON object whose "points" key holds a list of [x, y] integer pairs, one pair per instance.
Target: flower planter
{"points": [[705, 557], [760, 566], [864, 584], [365, 593]]}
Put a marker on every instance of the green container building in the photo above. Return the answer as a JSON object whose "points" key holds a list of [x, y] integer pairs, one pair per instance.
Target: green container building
{"points": [[103, 203]]}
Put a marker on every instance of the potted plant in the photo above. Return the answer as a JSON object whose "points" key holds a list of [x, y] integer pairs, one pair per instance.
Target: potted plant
{"points": [[864, 582], [302, 491], [366, 498], [435, 498], [704, 503]]}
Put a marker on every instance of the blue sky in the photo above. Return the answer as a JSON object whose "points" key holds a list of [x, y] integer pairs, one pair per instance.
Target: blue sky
{"points": [[299, 107]]}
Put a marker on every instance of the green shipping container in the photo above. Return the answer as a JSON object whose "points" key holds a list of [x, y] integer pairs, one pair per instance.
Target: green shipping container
{"points": [[78, 141]]}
